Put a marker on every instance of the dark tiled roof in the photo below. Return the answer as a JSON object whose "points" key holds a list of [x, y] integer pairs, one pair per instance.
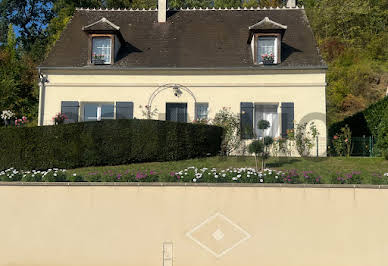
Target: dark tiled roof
{"points": [[189, 39]]}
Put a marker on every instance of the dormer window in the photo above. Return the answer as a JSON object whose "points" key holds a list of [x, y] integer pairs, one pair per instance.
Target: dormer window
{"points": [[267, 52], [265, 39], [102, 50], [105, 41]]}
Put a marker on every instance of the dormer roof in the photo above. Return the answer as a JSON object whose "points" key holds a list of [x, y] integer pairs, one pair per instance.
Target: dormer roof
{"points": [[101, 25], [267, 24]]}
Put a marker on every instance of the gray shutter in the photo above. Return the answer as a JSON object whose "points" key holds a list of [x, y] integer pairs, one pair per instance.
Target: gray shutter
{"points": [[71, 110], [287, 118], [124, 110], [246, 120]]}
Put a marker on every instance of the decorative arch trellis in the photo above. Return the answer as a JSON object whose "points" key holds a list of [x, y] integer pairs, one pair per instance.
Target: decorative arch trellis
{"points": [[177, 88]]}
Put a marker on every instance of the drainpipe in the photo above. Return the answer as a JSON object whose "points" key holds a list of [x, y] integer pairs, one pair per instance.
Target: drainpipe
{"points": [[42, 93]]}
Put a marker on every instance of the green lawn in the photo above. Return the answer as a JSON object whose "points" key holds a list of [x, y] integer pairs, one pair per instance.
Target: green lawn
{"points": [[320, 166]]}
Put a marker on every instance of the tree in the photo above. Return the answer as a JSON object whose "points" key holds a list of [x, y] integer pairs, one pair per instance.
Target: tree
{"points": [[256, 148], [30, 16], [18, 79], [266, 141]]}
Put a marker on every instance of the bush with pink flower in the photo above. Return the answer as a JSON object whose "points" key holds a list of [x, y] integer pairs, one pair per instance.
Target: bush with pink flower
{"points": [[20, 122], [59, 119]]}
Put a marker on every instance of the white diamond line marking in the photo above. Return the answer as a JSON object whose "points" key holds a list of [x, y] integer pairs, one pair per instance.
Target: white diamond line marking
{"points": [[218, 255]]}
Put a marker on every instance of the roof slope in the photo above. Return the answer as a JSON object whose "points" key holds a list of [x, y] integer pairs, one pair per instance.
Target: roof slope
{"points": [[189, 39]]}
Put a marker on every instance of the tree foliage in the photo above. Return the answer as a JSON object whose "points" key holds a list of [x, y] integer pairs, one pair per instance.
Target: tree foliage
{"points": [[352, 38], [18, 83]]}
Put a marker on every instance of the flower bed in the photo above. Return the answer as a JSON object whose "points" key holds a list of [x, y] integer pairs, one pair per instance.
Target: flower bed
{"points": [[191, 175]]}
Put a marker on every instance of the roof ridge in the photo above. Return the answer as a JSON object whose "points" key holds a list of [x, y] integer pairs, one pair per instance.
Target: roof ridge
{"points": [[194, 9]]}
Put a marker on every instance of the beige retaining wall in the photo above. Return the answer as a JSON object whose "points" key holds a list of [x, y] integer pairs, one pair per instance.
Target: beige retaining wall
{"points": [[198, 225]]}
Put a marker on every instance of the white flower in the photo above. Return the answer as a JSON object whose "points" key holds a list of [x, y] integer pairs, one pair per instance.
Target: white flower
{"points": [[7, 114], [234, 178], [276, 177], [248, 175], [74, 174], [223, 175], [386, 174], [216, 176], [238, 176], [261, 180], [55, 174], [194, 180]]}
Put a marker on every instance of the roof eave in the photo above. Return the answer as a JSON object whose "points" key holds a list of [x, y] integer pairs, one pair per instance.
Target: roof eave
{"points": [[257, 68]]}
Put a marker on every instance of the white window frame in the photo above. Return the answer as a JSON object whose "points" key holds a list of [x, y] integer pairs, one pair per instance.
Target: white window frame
{"points": [[110, 48], [99, 106], [258, 56]]}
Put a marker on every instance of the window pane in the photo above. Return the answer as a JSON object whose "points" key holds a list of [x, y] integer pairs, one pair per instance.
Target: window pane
{"points": [[102, 49], [90, 112], [267, 112], [266, 46], [202, 110], [107, 111]]}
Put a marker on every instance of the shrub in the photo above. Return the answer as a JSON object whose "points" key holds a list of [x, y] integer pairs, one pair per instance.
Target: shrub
{"points": [[230, 122], [303, 138], [111, 142]]}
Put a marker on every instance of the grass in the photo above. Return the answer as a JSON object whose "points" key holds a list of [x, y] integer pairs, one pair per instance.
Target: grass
{"points": [[324, 167]]}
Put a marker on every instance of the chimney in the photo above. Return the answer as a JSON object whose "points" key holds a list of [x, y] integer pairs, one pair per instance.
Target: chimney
{"points": [[290, 3], [162, 10]]}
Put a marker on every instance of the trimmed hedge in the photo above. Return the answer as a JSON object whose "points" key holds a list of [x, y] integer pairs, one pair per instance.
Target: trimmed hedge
{"points": [[365, 123], [111, 142], [382, 142]]}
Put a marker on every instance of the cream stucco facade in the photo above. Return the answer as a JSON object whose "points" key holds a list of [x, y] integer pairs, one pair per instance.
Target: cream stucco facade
{"points": [[219, 88]]}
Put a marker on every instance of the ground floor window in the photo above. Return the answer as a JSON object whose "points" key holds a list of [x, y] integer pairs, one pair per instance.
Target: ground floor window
{"points": [[279, 115], [176, 112], [201, 111], [267, 112], [98, 111]]}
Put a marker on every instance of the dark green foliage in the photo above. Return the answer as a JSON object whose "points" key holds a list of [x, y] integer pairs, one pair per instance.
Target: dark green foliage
{"points": [[263, 124], [268, 141], [382, 142], [256, 147], [105, 143], [365, 123]]}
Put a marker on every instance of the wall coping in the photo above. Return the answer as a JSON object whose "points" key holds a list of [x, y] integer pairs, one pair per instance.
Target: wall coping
{"points": [[164, 184]]}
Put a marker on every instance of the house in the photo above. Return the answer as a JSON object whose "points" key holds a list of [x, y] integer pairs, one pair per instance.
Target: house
{"points": [[188, 64]]}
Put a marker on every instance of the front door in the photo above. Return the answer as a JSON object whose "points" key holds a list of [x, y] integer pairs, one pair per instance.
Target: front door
{"points": [[176, 112]]}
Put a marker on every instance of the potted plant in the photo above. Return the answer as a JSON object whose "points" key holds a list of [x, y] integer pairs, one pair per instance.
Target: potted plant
{"points": [[98, 59], [7, 116], [268, 59], [59, 119]]}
